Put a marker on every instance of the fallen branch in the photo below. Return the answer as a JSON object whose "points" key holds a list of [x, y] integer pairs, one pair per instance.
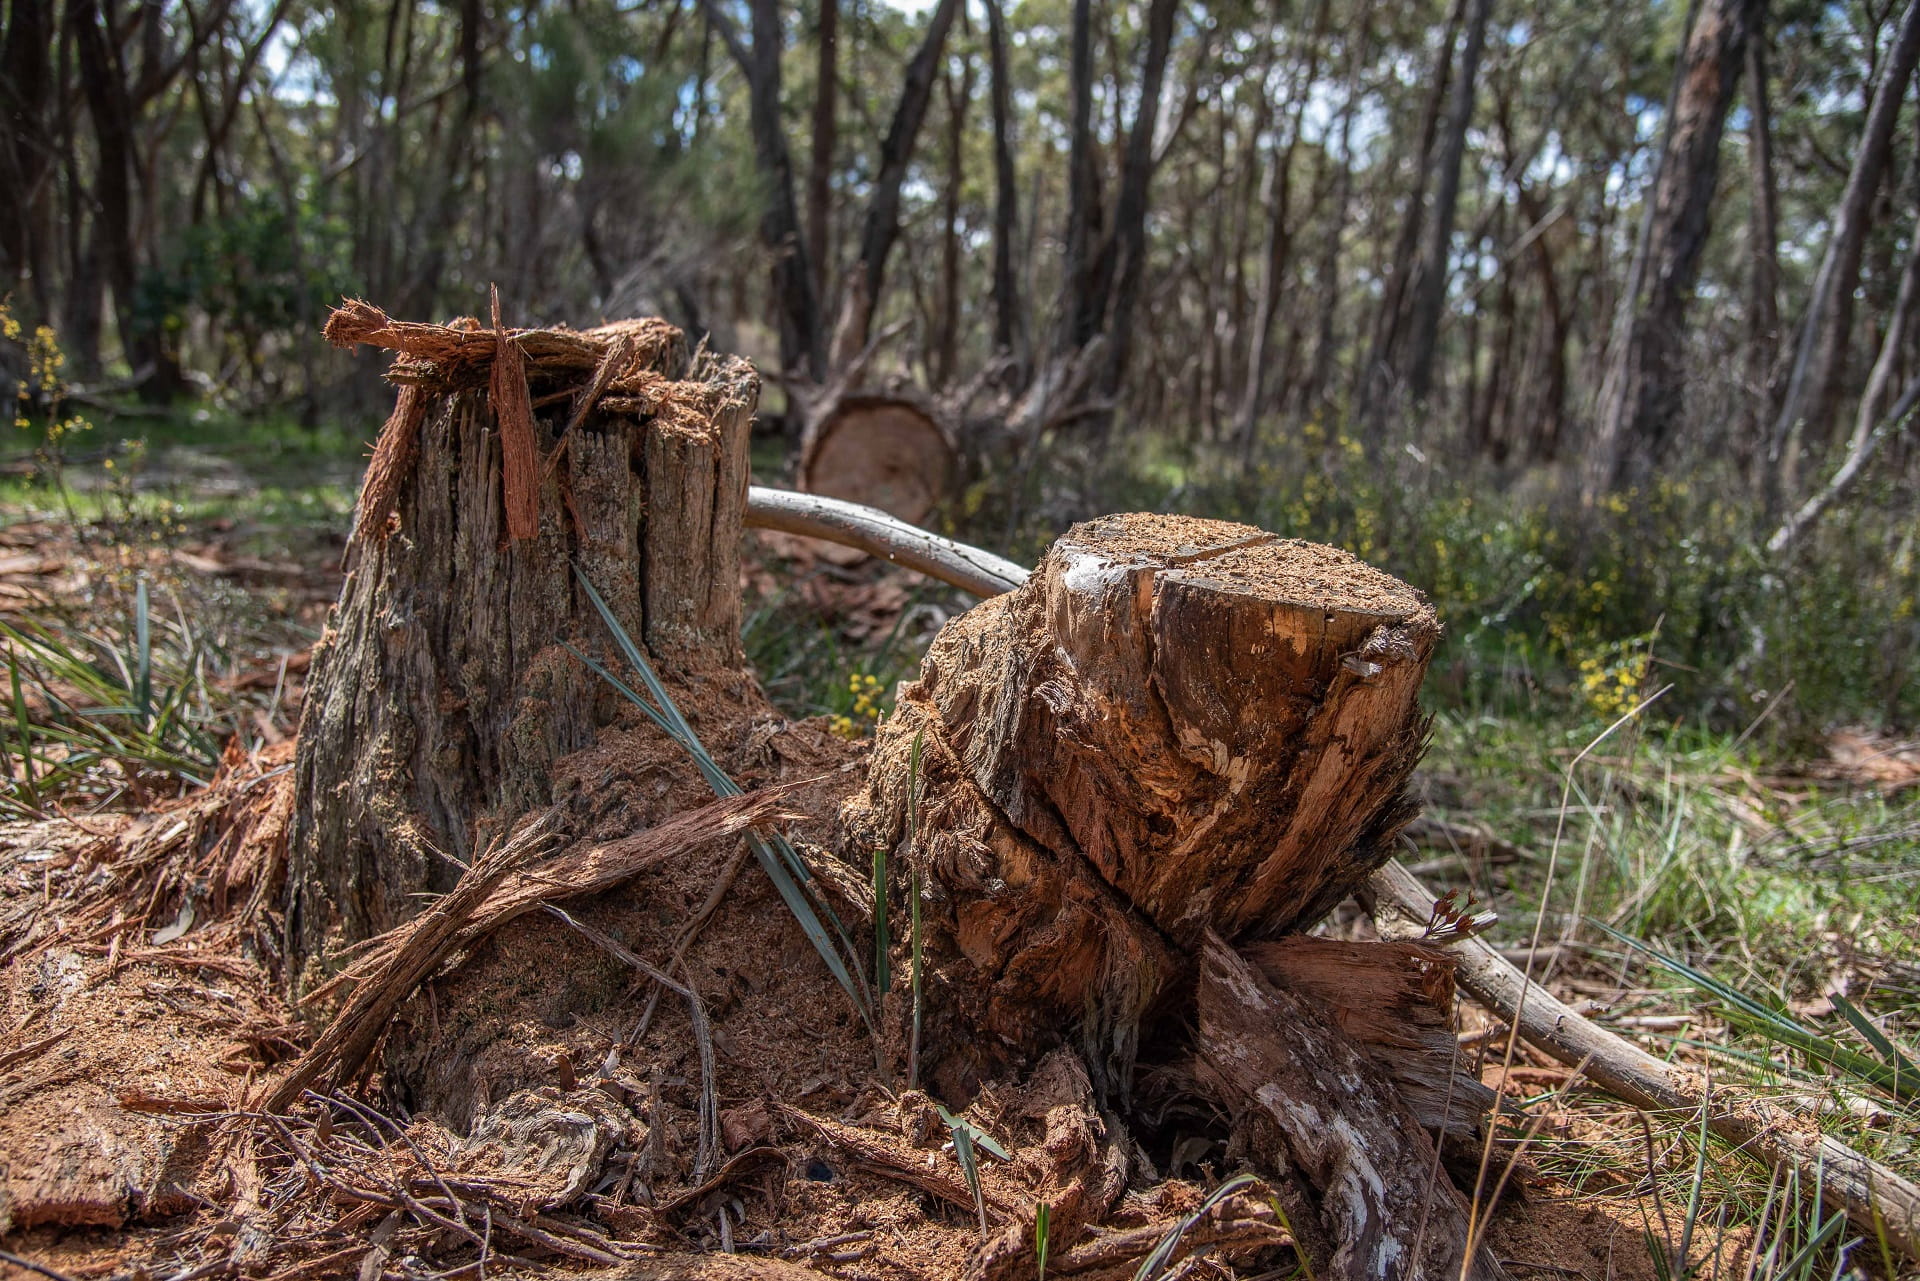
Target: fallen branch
{"points": [[1876, 1200], [878, 534]]}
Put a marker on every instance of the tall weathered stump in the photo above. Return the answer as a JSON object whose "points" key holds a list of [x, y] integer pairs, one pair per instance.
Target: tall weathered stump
{"points": [[516, 462]]}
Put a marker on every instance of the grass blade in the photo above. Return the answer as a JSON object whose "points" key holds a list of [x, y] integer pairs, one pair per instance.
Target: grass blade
{"points": [[1042, 1225], [1903, 1067], [1743, 1011], [142, 654], [963, 1136], [776, 856], [23, 725], [1155, 1264]]}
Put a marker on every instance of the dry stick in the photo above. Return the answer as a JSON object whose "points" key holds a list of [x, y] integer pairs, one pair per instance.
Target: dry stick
{"points": [[1875, 1198], [351, 1037], [702, 1036], [878, 534], [1878, 1201], [688, 933]]}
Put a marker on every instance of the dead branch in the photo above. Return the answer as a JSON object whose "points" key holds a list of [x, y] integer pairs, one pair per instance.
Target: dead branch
{"points": [[873, 531], [1875, 1198]]}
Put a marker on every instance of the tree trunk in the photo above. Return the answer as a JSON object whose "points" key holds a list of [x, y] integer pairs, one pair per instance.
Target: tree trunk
{"points": [[1820, 351], [1130, 209], [885, 449], [440, 695], [947, 342], [1009, 327], [1641, 401], [1429, 298], [110, 104], [825, 127], [896, 152], [1376, 387], [1276, 202], [1079, 310], [803, 337], [26, 148], [1763, 250]]}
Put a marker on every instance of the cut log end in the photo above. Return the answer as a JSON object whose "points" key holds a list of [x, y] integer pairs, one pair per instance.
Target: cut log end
{"points": [[888, 452]]}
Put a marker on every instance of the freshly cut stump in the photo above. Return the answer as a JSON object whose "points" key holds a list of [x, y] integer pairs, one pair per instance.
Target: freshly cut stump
{"points": [[442, 694], [1181, 738], [1176, 726]]}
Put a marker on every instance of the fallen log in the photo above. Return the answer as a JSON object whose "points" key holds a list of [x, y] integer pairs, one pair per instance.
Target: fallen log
{"points": [[889, 450]]}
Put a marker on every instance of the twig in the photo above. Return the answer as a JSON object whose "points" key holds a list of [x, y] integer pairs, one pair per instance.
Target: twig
{"points": [[709, 1141], [39, 1268]]}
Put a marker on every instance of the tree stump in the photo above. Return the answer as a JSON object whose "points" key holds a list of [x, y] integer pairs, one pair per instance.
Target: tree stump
{"points": [[1177, 725], [1181, 738], [441, 693]]}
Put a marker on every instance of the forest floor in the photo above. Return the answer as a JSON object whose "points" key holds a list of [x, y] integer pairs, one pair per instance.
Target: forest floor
{"points": [[1747, 910]]}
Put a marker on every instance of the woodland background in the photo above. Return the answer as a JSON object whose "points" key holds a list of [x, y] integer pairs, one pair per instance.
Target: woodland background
{"points": [[1595, 320]]}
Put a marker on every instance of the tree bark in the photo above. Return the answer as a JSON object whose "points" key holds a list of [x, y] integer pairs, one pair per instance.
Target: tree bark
{"points": [[1429, 298], [1641, 401], [1299, 1088], [441, 693], [1819, 356]]}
